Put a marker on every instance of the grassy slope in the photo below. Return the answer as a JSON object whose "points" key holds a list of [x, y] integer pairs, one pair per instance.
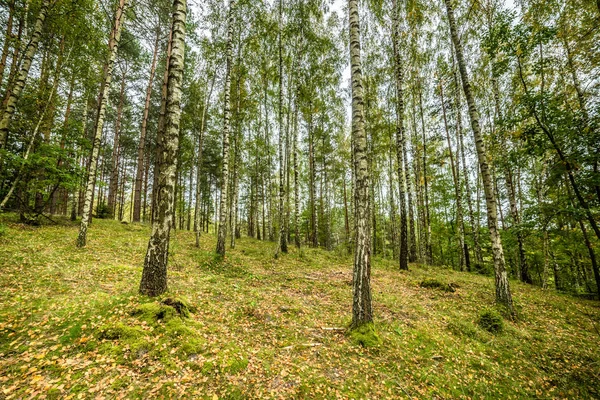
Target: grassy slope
{"points": [[258, 329]]}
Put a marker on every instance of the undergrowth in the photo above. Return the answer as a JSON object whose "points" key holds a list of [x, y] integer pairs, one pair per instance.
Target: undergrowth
{"points": [[249, 326]]}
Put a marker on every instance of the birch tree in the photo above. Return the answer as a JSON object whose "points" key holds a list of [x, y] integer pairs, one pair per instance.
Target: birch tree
{"points": [[223, 207], [362, 312], [503, 294], [154, 274], [21, 79], [113, 46]]}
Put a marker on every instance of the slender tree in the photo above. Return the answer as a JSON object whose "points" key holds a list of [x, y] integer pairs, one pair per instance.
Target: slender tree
{"points": [[21, 79], [223, 211], [362, 312], [282, 242], [400, 135], [113, 46], [503, 295], [154, 274], [139, 175]]}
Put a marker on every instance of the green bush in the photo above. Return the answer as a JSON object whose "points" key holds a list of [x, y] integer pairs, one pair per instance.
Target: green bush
{"points": [[2, 230], [102, 211], [491, 321]]}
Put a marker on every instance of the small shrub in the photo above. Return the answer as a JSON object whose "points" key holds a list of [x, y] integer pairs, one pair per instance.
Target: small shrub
{"points": [[103, 211], [2, 230], [431, 284], [491, 321]]}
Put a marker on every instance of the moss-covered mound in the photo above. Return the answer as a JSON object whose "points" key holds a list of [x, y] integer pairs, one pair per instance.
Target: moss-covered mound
{"points": [[364, 335], [430, 283], [155, 330]]}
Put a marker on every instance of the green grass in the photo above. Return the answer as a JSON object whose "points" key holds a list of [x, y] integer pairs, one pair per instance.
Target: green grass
{"points": [[72, 324]]}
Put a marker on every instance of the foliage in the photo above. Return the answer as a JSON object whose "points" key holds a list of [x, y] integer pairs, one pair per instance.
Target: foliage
{"points": [[103, 211], [491, 320]]}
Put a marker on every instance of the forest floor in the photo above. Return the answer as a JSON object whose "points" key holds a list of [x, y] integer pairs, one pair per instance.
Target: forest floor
{"points": [[72, 325]]}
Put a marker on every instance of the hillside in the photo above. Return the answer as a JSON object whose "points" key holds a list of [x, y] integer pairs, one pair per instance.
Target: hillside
{"points": [[73, 326]]}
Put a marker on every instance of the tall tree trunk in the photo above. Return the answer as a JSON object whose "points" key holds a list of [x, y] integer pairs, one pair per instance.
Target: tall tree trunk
{"points": [[139, 175], [545, 239], [412, 248], [200, 160], [267, 198], [161, 129], [427, 220], [154, 274], [19, 84], [362, 312], [297, 241], [189, 203], [237, 135], [7, 40], [514, 211], [462, 251], [14, 64], [61, 198], [400, 136], [393, 222], [114, 177], [313, 234], [418, 181], [113, 45], [282, 242], [222, 235], [463, 158], [235, 184], [503, 294]]}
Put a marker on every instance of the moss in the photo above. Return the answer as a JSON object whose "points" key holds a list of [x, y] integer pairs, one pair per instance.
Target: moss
{"points": [[430, 283], [73, 333], [182, 307], [365, 336], [153, 312], [192, 346], [237, 365], [491, 320], [119, 331], [176, 327], [139, 347]]}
